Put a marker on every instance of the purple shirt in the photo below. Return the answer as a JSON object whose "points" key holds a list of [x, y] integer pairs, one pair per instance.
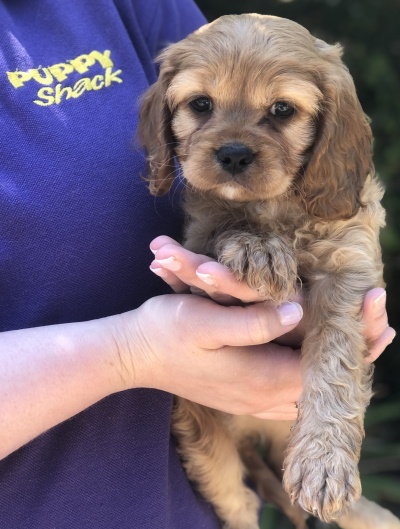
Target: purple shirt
{"points": [[76, 223]]}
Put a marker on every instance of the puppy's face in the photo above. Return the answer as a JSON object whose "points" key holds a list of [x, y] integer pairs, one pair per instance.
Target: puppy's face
{"points": [[243, 120], [253, 107]]}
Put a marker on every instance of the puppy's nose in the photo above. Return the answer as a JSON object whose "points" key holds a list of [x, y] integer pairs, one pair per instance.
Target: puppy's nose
{"points": [[235, 157]]}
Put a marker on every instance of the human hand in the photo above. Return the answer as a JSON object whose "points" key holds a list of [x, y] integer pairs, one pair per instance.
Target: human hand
{"points": [[215, 355], [186, 271]]}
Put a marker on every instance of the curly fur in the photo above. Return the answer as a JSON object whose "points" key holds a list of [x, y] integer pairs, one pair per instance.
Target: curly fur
{"points": [[306, 209]]}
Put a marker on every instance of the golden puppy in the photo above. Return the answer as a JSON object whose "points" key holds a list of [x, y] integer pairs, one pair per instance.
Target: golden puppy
{"points": [[276, 153]]}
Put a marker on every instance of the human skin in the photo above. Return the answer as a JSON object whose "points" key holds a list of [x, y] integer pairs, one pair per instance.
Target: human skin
{"points": [[185, 271], [192, 346]]}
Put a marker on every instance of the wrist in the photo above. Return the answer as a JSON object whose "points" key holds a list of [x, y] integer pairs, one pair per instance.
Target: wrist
{"points": [[49, 374], [131, 353]]}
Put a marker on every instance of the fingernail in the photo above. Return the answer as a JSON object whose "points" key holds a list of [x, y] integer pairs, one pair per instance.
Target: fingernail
{"points": [[154, 251], [380, 303], [289, 313], [171, 263], [206, 278], [159, 272]]}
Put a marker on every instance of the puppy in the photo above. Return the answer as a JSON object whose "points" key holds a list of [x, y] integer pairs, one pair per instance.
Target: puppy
{"points": [[276, 154]]}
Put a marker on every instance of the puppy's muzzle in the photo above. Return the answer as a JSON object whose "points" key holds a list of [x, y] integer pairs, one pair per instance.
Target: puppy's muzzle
{"points": [[234, 157]]}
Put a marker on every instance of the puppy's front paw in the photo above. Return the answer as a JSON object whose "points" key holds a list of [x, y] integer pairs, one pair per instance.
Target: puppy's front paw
{"points": [[267, 264], [322, 478]]}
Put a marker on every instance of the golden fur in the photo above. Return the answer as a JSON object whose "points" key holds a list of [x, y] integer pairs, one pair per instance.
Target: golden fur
{"points": [[306, 208]]}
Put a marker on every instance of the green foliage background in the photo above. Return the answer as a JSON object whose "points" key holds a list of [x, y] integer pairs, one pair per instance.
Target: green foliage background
{"points": [[369, 30]]}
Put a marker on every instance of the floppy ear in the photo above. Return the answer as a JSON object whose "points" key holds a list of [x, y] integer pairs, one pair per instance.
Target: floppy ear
{"points": [[155, 133], [341, 158]]}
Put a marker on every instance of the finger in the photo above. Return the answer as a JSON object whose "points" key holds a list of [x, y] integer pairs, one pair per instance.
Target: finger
{"points": [[242, 326], [169, 257], [201, 272], [170, 278], [179, 260], [221, 279], [379, 345], [160, 241], [183, 264], [374, 314], [189, 267]]}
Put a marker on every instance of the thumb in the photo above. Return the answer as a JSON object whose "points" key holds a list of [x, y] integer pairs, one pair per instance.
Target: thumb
{"points": [[251, 325]]}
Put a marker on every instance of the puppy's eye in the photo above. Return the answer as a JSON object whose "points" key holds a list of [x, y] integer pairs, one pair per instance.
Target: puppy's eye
{"points": [[281, 109], [201, 104]]}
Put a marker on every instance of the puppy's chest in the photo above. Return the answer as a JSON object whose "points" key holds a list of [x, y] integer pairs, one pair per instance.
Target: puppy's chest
{"points": [[277, 219], [289, 224], [206, 220]]}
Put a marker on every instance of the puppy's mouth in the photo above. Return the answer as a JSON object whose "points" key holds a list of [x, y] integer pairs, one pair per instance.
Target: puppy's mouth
{"points": [[236, 181], [234, 191]]}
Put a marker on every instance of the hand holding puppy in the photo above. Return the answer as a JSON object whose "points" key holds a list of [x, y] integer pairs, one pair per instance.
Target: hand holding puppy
{"points": [[198, 273], [216, 356]]}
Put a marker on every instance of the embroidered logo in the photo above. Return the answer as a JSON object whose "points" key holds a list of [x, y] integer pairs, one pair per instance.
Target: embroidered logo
{"points": [[55, 90]]}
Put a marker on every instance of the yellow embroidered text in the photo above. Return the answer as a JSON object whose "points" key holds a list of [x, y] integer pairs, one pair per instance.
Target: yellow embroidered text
{"points": [[49, 95]]}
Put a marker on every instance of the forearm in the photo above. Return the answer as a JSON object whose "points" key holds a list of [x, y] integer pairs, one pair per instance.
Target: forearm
{"points": [[48, 374]]}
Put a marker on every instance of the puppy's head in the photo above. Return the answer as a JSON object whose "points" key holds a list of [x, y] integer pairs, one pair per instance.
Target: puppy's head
{"points": [[254, 108]]}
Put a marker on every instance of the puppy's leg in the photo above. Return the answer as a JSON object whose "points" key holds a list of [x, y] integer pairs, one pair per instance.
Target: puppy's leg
{"points": [[266, 262], [212, 462], [268, 486], [321, 471]]}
